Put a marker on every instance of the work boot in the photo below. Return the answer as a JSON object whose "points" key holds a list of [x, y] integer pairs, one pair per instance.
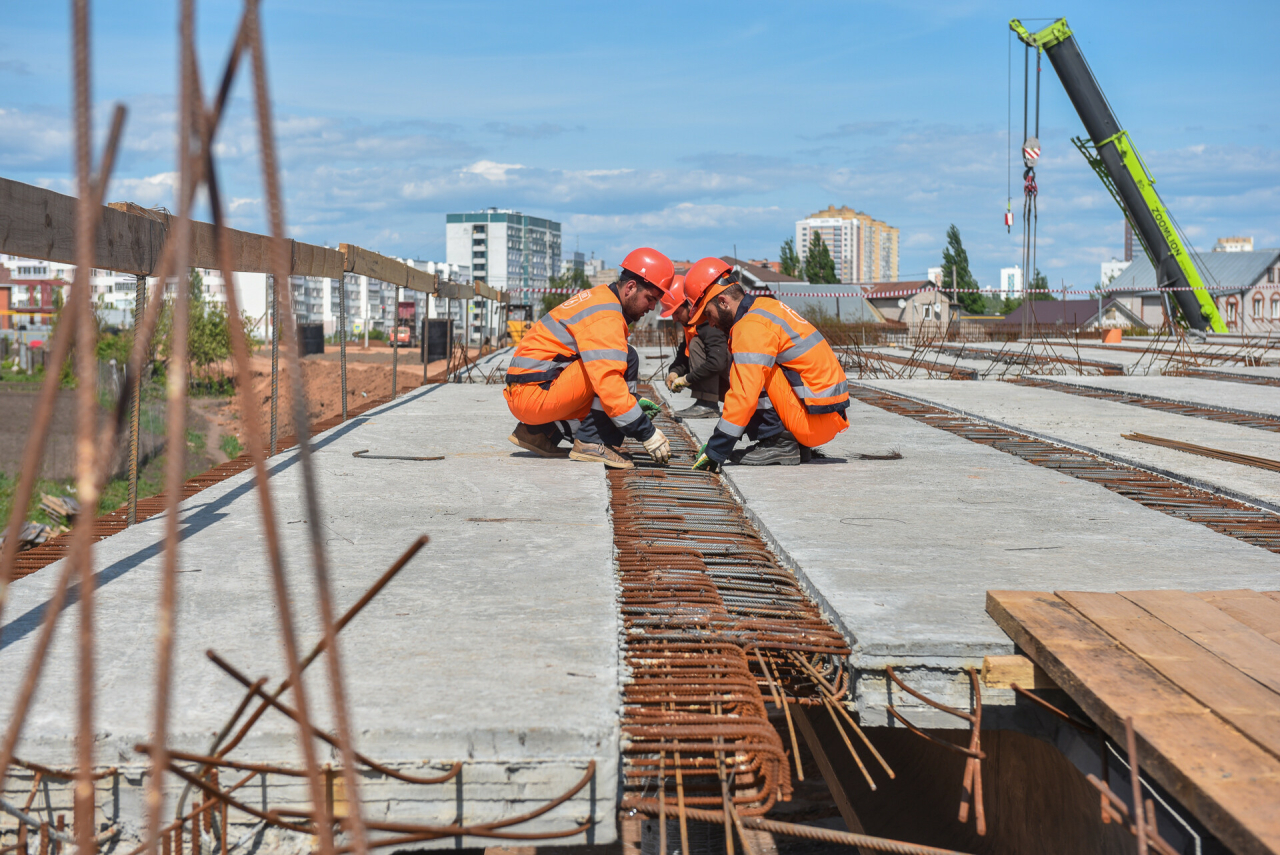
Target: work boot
{"points": [[808, 455], [780, 450], [539, 443], [599, 453], [699, 410]]}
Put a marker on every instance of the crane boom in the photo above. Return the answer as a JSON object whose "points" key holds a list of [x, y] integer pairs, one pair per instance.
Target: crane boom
{"points": [[1133, 185]]}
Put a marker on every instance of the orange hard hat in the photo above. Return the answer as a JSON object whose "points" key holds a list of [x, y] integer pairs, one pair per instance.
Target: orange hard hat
{"points": [[674, 298], [707, 278], [654, 267]]}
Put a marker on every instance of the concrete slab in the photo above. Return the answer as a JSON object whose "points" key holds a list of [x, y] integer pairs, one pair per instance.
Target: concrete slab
{"points": [[901, 553], [1097, 426], [1271, 372], [1192, 390], [497, 646]]}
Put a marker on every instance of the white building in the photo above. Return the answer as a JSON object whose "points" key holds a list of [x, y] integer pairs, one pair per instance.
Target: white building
{"points": [[1111, 269], [505, 249], [934, 275], [1011, 281], [841, 237], [1234, 244]]}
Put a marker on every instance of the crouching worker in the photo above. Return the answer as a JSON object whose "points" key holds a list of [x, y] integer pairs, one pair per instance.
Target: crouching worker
{"points": [[787, 388], [574, 374], [701, 364]]}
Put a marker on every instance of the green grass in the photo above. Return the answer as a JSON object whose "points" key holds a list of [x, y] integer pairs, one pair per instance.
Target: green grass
{"points": [[230, 446], [9, 485]]}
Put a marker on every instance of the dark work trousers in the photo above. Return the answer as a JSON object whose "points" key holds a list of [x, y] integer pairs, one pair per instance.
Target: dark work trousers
{"points": [[765, 422], [598, 428], [708, 390]]}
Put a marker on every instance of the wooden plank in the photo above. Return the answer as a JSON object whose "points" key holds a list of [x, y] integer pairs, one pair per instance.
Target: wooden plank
{"points": [[1256, 611], [364, 262], [1249, 706], [800, 716], [1215, 631], [1230, 783], [1001, 672]]}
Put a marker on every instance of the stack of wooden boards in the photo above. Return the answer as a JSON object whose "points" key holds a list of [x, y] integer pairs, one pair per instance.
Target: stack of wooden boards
{"points": [[1199, 673]]}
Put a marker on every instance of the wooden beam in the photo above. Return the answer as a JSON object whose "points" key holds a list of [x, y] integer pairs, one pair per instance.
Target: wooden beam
{"points": [[420, 280], [39, 223], [1227, 781], [1258, 612], [365, 262], [1001, 672], [456, 291]]}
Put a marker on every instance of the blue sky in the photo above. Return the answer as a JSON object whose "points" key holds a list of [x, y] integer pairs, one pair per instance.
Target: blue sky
{"points": [[692, 126]]}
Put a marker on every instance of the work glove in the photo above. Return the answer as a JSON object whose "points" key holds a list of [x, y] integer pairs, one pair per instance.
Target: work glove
{"points": [[658, 447], [705, 463], [650, 408], [679, 383], [671, 378]]}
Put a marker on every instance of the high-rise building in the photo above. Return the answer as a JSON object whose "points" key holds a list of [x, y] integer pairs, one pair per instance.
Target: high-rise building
{"points": [[840, 236], [1011, 281], [868, 247], [505, 249]]}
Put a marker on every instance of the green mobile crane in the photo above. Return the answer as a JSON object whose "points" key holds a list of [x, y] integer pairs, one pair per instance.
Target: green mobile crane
{"points": [[1112, 154]]}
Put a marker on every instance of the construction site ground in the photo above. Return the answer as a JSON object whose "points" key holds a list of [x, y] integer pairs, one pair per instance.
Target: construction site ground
{"points": [[496, 646]]}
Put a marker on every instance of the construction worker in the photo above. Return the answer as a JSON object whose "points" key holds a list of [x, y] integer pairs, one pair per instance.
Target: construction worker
{"points": [[574, 374], [787, 389], [701, 363]]}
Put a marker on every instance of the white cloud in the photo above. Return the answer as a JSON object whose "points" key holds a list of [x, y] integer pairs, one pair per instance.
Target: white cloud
{"points": [[496, 172]]}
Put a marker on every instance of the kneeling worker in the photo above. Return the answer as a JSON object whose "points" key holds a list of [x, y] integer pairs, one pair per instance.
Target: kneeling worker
{"points": [[701, 365], [787, 388], [575, 367]]}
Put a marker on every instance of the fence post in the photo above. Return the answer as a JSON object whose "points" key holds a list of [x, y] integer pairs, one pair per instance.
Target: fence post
{"points": [[135, 423], [275, 357], [342, 338], [395, 345]]}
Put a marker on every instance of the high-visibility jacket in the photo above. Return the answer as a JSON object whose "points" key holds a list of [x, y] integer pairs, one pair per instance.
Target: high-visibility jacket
{"points": [[768, 333], [588, 326]]}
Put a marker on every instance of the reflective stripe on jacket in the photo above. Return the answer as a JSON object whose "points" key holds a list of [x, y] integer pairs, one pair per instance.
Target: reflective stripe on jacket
{"points": [[766, 332], [589, 326]]}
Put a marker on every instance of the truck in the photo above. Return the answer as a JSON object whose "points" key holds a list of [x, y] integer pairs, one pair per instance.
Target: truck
{"points": [[1114, 157], [406, 331]]}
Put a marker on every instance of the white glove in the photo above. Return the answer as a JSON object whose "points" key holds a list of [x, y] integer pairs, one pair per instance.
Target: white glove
{"points": [[671, 378], [658, 447], [679, 383]]}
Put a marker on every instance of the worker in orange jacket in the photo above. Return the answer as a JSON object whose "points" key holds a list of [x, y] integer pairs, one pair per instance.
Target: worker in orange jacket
{"points": [[787, 388], [701, 363], [574, 374]]}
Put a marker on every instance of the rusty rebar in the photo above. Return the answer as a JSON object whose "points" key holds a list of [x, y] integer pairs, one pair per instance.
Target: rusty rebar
{"points": [[281, 265]]}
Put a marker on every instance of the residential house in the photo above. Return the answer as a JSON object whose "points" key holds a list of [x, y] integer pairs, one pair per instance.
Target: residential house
{"points": [[801, 295], [1076, 315], [1245, 285], [920, 305]]}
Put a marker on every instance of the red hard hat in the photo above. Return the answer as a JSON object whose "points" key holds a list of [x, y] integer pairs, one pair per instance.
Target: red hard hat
{"points": [[674, 298], [703, 282], [653, 266]]}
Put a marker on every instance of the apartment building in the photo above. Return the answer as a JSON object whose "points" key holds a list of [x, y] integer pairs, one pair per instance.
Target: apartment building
{"points": [[868, 248], [505, 249]]}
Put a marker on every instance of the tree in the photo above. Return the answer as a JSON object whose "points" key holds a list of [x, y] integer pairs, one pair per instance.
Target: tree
{"points": [[1039, 290], [957, 279], [789, 259], [572, 282], [819, 266]]}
